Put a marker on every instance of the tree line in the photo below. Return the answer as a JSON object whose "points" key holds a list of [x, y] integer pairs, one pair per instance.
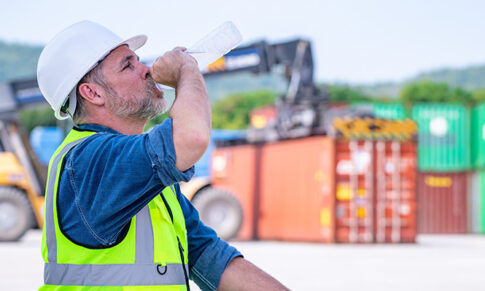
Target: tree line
{"points": [[414, 92]]}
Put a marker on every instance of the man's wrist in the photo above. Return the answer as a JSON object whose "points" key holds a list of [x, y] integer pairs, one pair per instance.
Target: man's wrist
{"points": [[189, 70]]}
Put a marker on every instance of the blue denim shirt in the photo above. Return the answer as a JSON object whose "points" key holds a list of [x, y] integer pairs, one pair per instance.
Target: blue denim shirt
{"points": [[109, 177]]}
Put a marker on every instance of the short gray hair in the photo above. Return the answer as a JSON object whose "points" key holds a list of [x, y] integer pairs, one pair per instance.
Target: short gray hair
{"points": [[94, 76]]}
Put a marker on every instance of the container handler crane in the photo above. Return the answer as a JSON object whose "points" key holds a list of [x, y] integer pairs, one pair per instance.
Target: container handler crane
{"points": [[301, 111]]}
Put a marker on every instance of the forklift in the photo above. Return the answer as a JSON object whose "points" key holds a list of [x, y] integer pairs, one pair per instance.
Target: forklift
{"points": [[21, 174]]}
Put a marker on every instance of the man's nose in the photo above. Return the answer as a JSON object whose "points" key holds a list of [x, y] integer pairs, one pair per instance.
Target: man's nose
{"points": [[145, 70]]}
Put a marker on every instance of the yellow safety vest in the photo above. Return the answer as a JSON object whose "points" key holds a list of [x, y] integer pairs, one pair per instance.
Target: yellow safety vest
{"points": [[152, 256]]}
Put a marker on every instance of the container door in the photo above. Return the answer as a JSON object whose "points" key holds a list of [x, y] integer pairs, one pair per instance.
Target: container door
{"points": [[354, 192], [395, 192]]}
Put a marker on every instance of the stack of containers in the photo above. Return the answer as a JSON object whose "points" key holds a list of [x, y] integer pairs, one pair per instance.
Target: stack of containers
{"points": [[323, 189], [477, 186], [443, 161]]}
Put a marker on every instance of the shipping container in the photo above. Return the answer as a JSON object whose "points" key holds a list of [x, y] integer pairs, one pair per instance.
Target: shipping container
{"points": [[393, 111], [442, 202], [478, 136], [477, 202], [443, 137], [235, 169]]}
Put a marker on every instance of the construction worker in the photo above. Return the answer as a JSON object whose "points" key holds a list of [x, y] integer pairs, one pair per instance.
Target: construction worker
{"points": [[114, 213]]}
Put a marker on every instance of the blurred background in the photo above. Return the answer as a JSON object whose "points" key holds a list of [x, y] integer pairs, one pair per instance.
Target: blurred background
{"points": [[348, 144]]}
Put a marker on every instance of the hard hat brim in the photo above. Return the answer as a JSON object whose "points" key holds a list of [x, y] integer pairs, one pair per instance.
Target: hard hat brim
{"points": [[133, 43]]}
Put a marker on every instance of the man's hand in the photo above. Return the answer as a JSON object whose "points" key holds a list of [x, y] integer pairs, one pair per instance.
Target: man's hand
{"points": [[169, 68]]}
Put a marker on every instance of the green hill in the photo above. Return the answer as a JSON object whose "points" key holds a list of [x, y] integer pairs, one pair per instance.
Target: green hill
{"points": [[18, 61], [469, 78]]}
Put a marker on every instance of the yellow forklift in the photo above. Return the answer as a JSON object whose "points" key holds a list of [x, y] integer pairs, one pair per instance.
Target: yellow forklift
{"points": [[21, 174]]}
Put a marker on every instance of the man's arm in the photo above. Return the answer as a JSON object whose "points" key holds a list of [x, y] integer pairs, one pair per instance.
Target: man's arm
{"points": [[213, 262], [191, 111], [241, 274]]}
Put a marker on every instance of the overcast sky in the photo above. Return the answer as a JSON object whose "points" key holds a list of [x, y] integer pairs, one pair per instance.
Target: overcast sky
{"points": [[353, 41]]}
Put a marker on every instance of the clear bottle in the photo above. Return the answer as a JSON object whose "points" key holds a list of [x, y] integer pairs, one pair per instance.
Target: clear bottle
{"points": [[215, 44]]}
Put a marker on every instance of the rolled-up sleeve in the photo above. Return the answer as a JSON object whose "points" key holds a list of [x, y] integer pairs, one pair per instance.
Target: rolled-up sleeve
{"points": [[206, 273], [208, 254], [161, 151]]}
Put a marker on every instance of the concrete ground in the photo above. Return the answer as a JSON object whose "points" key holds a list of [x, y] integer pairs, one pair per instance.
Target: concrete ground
{"points": [[451, 262]]}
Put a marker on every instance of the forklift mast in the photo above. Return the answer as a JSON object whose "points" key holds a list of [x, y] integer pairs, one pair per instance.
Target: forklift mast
{"points": [[295, 56], [298, 113]]}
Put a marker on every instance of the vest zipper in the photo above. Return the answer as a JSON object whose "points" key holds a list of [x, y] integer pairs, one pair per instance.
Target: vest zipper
{"points": [[181, 249]]}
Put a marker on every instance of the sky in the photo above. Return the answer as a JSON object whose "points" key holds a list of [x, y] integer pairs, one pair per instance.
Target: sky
{"points": [[355, 41]]}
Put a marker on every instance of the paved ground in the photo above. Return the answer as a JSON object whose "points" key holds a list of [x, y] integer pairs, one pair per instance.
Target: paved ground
{"points": [[434, 263]]}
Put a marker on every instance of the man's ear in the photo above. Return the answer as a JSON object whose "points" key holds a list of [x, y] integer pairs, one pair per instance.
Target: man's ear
{"points": [[92, 93]]}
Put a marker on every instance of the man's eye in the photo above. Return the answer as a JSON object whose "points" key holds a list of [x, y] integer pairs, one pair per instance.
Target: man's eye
{"points": [[129, 65]]}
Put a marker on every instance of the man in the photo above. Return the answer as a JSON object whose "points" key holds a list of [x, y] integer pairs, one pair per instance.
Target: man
{"points": [[115, 217]]}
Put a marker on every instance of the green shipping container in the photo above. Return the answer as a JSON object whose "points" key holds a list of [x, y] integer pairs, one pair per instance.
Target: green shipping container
{"points": [[392, 111], [478, 136], [477, 202], [443, 137]]}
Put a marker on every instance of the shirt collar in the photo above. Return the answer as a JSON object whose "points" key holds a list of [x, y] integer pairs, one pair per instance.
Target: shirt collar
{"points": [[95, 128]]}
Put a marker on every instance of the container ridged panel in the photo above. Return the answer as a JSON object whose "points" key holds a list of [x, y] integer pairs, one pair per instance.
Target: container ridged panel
{"points": [[443, 137], [297, 185], [478, 136], [241, 161], [389, 111], [476, 203]]}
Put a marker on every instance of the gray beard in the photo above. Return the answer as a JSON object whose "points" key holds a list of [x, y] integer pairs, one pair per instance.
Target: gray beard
{"points": [[143, 108]]}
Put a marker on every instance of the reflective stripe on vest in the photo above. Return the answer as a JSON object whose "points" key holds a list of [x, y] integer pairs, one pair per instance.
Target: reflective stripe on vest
{"points": [[143, 272]]}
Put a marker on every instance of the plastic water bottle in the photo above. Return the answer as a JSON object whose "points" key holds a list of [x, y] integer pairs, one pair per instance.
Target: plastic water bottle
{"points": [[215, 44]]}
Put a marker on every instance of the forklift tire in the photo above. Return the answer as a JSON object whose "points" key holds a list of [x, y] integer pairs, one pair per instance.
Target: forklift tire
{"points": [[15, 214], [220, 210]]}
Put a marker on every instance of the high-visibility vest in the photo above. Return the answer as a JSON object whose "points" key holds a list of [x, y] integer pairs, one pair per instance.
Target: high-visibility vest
{"points": [[152, 255]]}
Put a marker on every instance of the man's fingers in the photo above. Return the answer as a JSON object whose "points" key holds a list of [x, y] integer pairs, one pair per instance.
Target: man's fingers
{"points": [[180, 48], [167, 68]]}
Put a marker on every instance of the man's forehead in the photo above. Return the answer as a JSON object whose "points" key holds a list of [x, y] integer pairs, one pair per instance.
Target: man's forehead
{"points": [[118, 54]]}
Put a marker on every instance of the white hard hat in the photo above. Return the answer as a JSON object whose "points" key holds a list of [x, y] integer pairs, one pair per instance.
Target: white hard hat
{"points": [[70, 55]]}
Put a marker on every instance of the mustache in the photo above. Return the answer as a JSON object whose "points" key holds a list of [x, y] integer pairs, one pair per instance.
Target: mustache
{"points": [[151, 87], [151, 84]]}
